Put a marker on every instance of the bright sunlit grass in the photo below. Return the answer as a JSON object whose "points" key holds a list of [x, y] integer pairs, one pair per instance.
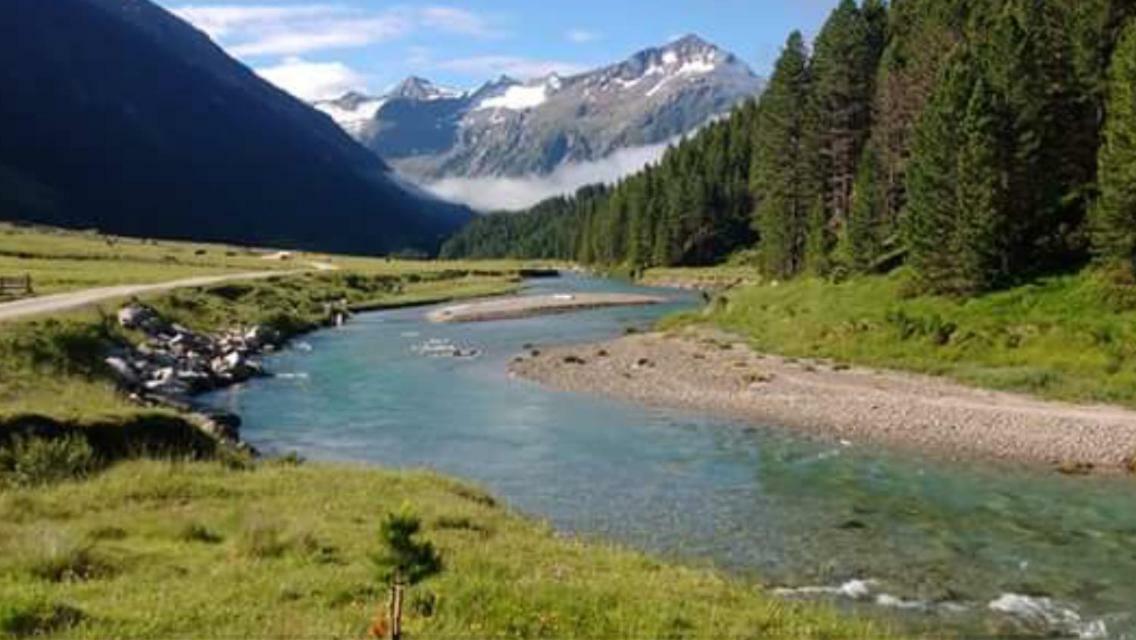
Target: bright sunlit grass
{"points": [[151, 549], [1060, 337]]}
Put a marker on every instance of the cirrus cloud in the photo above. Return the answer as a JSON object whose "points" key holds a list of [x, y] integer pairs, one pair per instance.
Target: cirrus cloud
{"points": [[268, 29]]}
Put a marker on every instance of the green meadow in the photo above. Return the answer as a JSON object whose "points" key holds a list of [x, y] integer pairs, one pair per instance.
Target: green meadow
{"points": [[1066, 337]]}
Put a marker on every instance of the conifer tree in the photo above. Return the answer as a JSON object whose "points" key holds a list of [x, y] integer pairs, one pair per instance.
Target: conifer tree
{"points": [[842, 72], [928, 227], [782, 175], [1114, 216], [979, 228], [867, 228], [818, 239]]}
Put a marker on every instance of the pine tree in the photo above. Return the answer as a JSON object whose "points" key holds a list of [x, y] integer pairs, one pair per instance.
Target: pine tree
{"points": [[782, 172], [867, 228], [818, 239], [841, 71], [1114, 216], [921, 33], [928, 227], [979, 229]]}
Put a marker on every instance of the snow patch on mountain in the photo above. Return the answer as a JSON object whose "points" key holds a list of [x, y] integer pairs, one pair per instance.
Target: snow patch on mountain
{"points": [[353, 112], [517, 98], [551, 127]]}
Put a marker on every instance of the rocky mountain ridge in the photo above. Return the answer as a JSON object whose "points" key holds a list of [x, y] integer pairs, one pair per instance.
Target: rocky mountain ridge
{"points": [[509, 127]]}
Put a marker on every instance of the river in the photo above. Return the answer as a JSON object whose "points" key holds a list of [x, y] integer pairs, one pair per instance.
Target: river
{"points": [[975, 548]]}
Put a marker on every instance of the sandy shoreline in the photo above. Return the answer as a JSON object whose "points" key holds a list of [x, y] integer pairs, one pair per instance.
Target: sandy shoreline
{"points": [[718, 374], [526, 306]]}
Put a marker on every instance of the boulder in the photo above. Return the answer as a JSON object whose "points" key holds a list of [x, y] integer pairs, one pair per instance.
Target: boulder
{"points": [[122, 370]]}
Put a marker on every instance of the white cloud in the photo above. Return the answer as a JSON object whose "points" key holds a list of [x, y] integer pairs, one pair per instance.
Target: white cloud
{"points": [[294, 29], [278, 29], [313, 80], [518, 67], [496, 194], [460, 21], [221, 20], [581, 36]]}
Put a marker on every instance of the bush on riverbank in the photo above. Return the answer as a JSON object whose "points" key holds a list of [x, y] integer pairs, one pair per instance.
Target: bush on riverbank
{"points": [[135, 572], [1065, 337]]}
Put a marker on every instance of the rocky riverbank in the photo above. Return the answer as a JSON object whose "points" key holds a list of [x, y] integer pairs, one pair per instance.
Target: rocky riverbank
{"points": [[719, 374], [171, 363]]}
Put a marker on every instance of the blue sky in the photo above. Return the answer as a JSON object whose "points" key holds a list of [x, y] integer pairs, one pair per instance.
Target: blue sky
{"points": [[321, 48]]}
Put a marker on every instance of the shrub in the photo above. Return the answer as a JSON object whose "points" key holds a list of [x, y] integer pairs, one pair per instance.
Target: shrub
{"points": [[29, 462]]}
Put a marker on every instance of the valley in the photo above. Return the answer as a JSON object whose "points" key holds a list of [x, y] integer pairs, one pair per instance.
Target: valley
{"points": [[817, 323]]}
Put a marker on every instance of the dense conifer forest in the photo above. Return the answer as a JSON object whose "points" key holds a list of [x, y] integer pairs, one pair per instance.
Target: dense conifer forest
{"points": [[979, 142]]}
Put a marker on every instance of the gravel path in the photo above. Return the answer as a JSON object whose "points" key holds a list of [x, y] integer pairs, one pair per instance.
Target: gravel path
{"points": [[718, 374], [72, 300], [525, 306]]}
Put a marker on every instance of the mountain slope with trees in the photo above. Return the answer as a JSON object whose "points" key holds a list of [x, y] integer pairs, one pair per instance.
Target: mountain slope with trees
{"points": [[119, 116], [963, 138]]}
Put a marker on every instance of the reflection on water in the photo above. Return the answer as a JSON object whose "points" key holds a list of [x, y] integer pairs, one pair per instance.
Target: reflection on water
{"points": [[977, 548]]}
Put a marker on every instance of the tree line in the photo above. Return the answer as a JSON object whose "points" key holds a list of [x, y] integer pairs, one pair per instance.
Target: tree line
{"points": [[979, 142]]}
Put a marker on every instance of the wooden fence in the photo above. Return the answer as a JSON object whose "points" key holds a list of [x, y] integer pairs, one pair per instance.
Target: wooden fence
{"points": [[18, 286]]}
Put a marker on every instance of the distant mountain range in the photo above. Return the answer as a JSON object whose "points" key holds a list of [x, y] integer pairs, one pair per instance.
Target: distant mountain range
{"points": [[114, 114], [512, 128]]}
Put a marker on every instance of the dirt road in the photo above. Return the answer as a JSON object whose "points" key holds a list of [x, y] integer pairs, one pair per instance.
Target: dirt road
{"points": [[72, 300]]}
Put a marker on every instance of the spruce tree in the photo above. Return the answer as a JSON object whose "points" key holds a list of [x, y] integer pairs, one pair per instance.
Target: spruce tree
{"points": [[819, 239], [782, 175], [867, 229], [979, 229], [928, 227], [842, 72], [1114, 216]]}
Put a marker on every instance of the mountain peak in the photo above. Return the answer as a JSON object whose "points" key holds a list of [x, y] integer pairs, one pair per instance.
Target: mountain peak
{"points": [[349, 101], [690, 40], [417, 88]]}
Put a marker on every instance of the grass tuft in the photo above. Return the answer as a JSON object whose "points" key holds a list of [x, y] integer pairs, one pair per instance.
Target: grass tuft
{"points": [[197, 532], [59, 558], [29, 618], [262, 539], [30, 462]]}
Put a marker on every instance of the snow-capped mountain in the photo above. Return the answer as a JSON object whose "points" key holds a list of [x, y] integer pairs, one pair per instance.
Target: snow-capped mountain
{"points": [[513, 128]]}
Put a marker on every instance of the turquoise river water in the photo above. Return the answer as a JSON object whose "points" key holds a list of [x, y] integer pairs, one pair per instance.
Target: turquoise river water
{"points": [[973, 548]]}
